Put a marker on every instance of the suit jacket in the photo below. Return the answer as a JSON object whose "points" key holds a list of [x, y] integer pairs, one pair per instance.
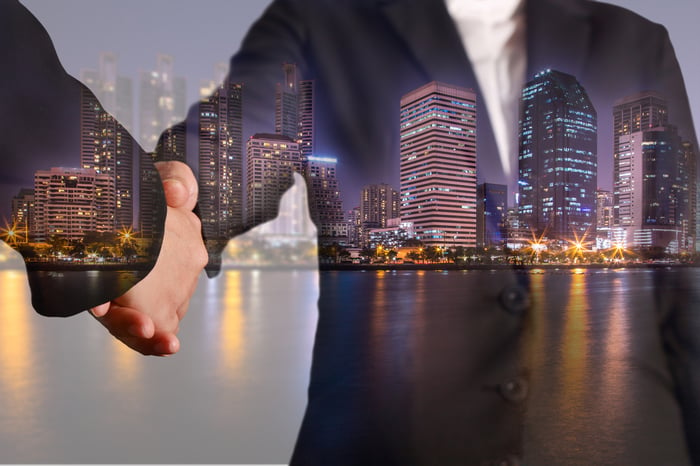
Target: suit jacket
{"points": [[453, 401], [40, 107]]}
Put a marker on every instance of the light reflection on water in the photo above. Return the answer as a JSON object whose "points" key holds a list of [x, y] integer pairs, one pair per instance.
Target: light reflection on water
{"points": [[19, 376], [237, 391]]}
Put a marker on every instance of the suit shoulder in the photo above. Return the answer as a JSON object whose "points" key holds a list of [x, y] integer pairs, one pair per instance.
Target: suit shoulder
{"points": [[621, 18]]}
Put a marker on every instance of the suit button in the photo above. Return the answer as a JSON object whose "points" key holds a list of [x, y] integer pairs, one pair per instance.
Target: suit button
{"points": [[514, 390], [515, 299], [510, 460]]}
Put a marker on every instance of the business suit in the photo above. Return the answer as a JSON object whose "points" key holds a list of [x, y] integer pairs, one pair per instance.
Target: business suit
{"points": [[364, 56]]}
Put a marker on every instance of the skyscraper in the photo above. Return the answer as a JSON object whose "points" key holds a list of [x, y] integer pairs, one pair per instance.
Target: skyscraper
{"points": [[659, 169], [221, 162], [438, 164], [271, 162], [632, 114], [114, 92], [162, 104], [654, 176], [325, 205], [492, 205], [105, 144], [287, 104], [378, 204], [305, 118], [557, 157], [23, 212]]}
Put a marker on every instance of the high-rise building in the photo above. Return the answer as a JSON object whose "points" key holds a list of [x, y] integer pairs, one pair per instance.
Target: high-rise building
{"points": [[162, 105], [378, 204], [114, 92], [654, 176], [305, 118], [208, 87], [604, 210], [287, 103], [557, 158], [325, 205], [23, 212], [659, 168], [105, 144], [492, 205], [271, 162], [70, 202], [354, 221], [438, 164], [221, 162], [632, 114], [606, 234]]}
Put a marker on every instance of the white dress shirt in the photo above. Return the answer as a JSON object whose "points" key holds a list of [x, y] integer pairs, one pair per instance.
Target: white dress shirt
{"points": [[493, 34]]}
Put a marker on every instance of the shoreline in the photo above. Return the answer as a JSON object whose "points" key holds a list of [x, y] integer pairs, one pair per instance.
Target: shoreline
{"points": [[55, 267]]}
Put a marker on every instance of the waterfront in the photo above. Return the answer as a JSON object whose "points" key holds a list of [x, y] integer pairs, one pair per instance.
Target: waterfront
{"points": [[236, 391]]}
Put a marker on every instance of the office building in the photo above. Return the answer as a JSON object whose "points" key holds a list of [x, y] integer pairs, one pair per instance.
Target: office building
{"points": [[221, 162], [272, 159], [105, 144], [438, 164], [23, 213], [557, 160], [492, 205], [632, 114], [325, 205]]}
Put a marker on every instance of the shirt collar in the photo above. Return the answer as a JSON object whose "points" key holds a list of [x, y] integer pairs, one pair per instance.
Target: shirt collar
{"points": [[484, 11]]}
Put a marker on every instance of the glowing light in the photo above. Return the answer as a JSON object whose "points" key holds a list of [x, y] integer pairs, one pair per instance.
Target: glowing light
{"points": [[537, 246], [578, 246], [11, 234], [126, 235]]}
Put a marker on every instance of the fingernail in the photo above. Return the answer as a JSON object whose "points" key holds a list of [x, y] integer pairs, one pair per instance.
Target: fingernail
{"points": [[164, 347]]}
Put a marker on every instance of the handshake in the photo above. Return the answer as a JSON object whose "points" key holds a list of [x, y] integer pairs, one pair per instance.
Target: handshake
{"points": [[147, 317]]}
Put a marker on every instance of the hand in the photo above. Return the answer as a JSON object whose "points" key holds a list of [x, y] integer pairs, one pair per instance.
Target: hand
{"points": [[147, 317]]}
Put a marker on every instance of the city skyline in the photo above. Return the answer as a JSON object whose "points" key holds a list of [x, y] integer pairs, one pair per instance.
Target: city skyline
{"points": [[294, 115]]}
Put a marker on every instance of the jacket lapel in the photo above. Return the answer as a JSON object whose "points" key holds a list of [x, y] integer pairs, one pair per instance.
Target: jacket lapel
{"points": [[558, 34], [431, 38]]}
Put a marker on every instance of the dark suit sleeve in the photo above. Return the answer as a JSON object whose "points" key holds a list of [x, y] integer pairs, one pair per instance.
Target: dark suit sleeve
{"points": [[678, 293], [278, 37], [40, 129]]}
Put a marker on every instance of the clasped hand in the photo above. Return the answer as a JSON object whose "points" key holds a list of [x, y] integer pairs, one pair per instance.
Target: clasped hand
{"points": [[147, 317]]}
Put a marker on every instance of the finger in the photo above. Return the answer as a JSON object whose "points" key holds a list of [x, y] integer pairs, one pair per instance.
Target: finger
{"points": [[101, 310], [165, 343], [160, 344], [125, 322], [179, 184]]}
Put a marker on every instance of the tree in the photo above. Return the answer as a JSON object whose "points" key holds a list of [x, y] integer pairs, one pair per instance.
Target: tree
{"points": [[432, 253], [368, 253], [58, 245], [27, 251]]}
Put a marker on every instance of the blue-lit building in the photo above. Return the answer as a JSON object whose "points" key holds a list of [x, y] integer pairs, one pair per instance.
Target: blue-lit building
{"points": [[557, 157], [491, 208]]}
